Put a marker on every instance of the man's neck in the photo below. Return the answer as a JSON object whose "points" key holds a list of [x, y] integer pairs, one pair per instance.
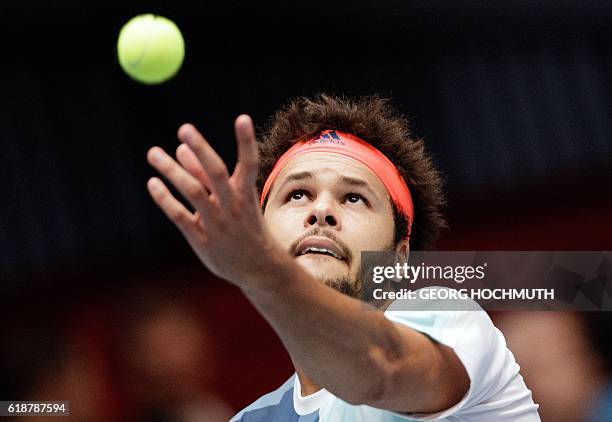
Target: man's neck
{"points": [[308, 386]]}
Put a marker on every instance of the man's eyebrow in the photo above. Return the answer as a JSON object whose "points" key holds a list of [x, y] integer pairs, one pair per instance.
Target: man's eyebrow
{"points": [[298, 176], [293, 177], [353, 181], [359, 183]]}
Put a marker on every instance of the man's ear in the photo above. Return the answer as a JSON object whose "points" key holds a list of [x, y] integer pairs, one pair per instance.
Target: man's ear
{"points": [[402, 250]]}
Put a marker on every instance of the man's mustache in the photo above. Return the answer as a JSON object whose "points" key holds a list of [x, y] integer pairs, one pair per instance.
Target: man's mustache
{"points": [[323, 233]]}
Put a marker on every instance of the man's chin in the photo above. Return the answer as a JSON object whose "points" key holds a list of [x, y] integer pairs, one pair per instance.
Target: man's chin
{"points": [[334, 273]]}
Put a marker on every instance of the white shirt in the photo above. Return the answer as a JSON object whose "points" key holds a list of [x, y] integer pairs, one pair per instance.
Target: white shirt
{"points": [[497, 391]]}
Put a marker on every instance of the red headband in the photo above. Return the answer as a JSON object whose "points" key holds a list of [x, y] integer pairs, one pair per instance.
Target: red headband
{"points": [[342, 143]]}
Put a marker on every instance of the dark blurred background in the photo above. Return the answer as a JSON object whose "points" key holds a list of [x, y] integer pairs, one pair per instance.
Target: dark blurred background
{"points": [[513, 99]]}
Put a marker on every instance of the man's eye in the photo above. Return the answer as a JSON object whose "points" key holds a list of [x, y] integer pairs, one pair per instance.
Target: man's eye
{"points": [[296, 195], [354, 198]]}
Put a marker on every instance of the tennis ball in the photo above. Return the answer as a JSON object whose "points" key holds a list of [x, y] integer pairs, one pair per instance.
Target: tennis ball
{"points": [[150, 49]]}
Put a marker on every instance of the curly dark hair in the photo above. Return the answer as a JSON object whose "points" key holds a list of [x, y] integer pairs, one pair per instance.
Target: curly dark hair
{"points": [[373, 119]]}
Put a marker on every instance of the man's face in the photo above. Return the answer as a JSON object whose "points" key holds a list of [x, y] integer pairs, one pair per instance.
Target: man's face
{"points": [[325, 209]]}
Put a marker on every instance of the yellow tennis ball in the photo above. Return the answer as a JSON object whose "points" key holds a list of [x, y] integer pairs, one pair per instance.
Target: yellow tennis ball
{"points": [[150, 48]]}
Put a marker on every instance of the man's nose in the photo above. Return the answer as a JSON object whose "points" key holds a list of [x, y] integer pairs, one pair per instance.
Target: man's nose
{"points": [[322, 213]]}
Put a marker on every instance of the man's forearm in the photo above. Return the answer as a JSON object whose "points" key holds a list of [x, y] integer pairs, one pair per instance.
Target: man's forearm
{"points": [[338, 341]]}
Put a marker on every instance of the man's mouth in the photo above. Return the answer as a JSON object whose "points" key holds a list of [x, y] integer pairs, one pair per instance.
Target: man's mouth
{"points": [[321, 251], [320, 246]]}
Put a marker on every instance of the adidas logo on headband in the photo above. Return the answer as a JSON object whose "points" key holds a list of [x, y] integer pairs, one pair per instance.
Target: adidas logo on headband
{"points": [[330, 137]]}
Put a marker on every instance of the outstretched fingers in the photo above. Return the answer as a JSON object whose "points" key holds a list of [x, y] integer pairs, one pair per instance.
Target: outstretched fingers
{"points": [[190, 162], [174, 209], [193, 190], [212, 164]]}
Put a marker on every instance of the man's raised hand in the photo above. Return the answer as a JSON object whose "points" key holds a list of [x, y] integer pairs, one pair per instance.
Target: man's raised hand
{"points": [[227, 230]]}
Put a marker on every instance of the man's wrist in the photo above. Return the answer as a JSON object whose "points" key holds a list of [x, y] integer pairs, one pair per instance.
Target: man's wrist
{"points": [[270, 273]]}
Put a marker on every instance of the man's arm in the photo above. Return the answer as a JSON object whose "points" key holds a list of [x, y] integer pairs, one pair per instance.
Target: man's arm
{"points": [[355, 353]]}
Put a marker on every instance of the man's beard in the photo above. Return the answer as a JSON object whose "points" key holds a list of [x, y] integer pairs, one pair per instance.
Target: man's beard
{"points": [[355, 288], [346, 286]]}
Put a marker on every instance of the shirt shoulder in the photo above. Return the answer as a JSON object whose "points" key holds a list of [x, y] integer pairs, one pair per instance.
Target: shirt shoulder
{"points": [[271, 407], [497, 390]]}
